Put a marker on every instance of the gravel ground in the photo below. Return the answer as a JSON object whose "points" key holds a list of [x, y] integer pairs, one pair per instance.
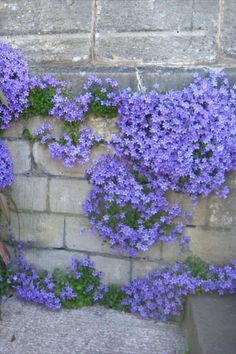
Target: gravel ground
{"points": [[31, 329]]}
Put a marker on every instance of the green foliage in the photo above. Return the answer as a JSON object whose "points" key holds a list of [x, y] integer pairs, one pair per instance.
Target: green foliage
{"points": [[113, 298], [73, 130], [40, 102], [98, 108], [5, 285], [198, 267], [79, 286]]}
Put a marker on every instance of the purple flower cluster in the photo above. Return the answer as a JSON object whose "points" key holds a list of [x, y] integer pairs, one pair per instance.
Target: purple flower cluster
{"points": [[184, 139], [72, 150], [6, 167], [14, 82], [46, 81], [70, 110], [127, 211], [54, 290], [161, 295]]}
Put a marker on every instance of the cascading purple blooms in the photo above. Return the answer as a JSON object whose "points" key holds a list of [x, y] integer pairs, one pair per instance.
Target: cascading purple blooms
{"points": [[162, 294], [46, 289], [184, 139], [127, 211], [6, 167], [14, 82]]}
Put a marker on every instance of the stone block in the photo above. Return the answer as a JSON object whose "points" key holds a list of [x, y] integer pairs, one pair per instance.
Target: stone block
{"points": [[213, 246], [154, 253], [43, 230], [52, 48], [103, 126], [30, 193], [229, 29], [221, 212], [161, 15], [157, 48], [46, 164], [231, 180], [167, 78], [15, 131], [171, 252], [79, 236], [36, 122], [199, 215], [51, 259], [45, 16], [78, 76], [116, 271], [140, 268], [20, 152], [67, 195]]}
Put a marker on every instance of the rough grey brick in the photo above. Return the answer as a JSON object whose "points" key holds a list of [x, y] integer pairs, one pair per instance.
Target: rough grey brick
{"points": [[116, 271], [52, 48], [30, 193], [68, 195], [229, 29], [78, 76], [20, 152], [149, 15], [43, 230], [158, 48], [167, 78], [45, 16]]}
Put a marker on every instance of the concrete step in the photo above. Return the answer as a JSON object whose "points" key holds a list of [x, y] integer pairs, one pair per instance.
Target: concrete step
{"points": [[31, 329], [211, 324]]}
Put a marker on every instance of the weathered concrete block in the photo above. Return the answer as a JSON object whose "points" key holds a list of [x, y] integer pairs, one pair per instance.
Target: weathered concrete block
{"points": [[45, 163], [20, 152], [30, 193], [221, 212], [79, 236], [199, 212], [149, 15], [140, 268], [158, 48], [45, 16], [229, 29], [51, 259], [43, 230], [116, 271], [52, 48], [68, 195]]}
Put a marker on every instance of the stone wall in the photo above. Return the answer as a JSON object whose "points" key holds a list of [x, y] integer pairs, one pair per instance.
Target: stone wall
{"points": [[139, 43], [49, 198]]}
